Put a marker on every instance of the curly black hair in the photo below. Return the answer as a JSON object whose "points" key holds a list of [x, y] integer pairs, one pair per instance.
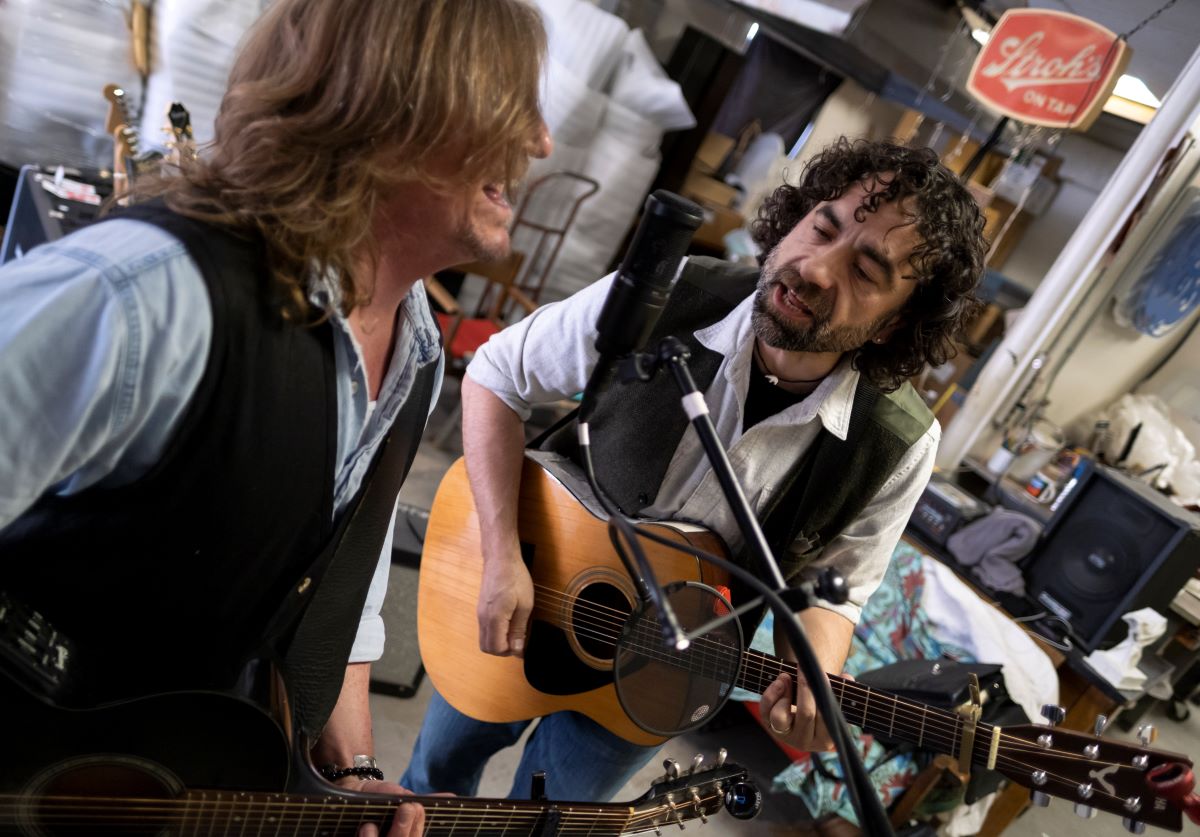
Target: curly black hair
{"points": [[947, 263]]}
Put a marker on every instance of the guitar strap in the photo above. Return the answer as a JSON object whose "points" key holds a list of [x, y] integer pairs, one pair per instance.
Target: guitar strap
{"points": [[309, 636]]}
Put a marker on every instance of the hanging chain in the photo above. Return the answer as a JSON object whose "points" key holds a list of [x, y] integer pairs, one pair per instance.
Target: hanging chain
{"points": [[1127, 35]]}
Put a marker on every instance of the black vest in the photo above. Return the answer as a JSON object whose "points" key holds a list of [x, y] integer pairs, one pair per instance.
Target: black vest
{"points": [[637, 427], [171, 581]]}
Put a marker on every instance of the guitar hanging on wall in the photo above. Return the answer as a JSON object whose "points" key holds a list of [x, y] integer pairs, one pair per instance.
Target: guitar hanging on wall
{"points": [[581, 617]]}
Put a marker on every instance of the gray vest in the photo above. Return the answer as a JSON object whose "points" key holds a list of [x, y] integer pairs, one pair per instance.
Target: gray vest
{"points": [[636, 428]]}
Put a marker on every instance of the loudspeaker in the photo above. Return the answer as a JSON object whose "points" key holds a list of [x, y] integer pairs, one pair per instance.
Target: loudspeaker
{"points": [[399, 671], [46, 207], [1119, 546]]}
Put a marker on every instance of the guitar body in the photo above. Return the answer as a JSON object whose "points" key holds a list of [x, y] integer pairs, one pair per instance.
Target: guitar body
{"points": [[575, 570]]}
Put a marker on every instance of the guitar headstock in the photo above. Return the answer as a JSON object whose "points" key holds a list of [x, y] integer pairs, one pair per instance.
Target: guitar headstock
{"points": [[119, 123], [696, 792], [1093, 772], [179, 133]]}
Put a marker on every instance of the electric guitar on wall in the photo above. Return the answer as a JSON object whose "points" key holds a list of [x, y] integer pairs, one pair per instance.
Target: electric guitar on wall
{"points": [[119, 124], [208, 763], [583, 601]]}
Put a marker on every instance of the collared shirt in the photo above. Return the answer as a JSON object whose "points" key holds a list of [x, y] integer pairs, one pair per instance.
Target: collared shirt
{"points": [[104, 336], [550, 353]]}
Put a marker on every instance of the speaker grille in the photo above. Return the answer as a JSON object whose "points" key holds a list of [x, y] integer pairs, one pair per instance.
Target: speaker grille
{"points": [[1119, 547]]}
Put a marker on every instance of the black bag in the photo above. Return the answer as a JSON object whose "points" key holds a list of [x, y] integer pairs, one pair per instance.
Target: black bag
{"points": [[944, 684]]}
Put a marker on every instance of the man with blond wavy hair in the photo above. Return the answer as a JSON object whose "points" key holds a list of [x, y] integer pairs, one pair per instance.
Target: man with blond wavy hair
{"points": [[199, 389]]}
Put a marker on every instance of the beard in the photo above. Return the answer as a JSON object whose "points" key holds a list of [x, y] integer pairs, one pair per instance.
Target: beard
{"points": [[777, 330], [480, 249]]}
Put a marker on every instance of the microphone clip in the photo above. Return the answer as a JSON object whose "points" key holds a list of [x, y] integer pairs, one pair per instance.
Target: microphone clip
{"points": [[641, 367]]}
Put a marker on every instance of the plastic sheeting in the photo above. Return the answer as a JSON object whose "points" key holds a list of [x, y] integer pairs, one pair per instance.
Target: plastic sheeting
{"points": [[56, 56], [607, 102]]}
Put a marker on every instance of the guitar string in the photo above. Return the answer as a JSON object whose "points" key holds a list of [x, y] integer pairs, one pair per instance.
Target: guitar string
{"points": [[168, 811], [932, 728], [764, 662], [568, 813], [955, 725], [643, 632]]}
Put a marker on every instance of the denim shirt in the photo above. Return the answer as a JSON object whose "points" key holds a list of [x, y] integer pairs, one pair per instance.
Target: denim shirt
{"points": [[104, 336]]}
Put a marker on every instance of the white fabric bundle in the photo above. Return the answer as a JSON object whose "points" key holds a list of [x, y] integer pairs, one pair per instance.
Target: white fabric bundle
{"points": [[607, 102]]}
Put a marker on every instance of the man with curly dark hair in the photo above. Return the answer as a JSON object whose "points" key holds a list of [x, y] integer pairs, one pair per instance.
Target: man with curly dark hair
{"points": [[869, 269]]}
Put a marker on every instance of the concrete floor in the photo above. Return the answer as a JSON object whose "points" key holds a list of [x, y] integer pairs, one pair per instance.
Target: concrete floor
{"points": [[397, 721]]}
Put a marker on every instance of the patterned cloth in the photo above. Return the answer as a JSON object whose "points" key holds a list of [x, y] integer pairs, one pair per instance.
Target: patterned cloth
{"points": [[893, 627]]}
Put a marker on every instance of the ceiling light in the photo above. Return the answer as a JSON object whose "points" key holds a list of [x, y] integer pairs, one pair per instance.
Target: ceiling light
{"points": [[981, 35], [1135, 90]]}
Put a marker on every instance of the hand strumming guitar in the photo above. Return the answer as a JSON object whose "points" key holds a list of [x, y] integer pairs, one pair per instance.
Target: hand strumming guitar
{"points": [[505, 602]]}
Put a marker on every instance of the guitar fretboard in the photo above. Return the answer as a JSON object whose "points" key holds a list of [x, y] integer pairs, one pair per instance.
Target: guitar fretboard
{"points": [[881, 713], [198, 813]]}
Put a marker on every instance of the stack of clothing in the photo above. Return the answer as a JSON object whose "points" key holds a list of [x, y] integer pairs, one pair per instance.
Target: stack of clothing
{"points": [[992, 547]]}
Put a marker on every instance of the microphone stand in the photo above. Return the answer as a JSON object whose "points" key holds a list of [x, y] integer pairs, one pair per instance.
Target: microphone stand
{"points": [[673, 355]]}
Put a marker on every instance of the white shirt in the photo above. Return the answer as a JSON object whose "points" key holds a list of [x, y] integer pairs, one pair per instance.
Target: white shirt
{"points": [[549, 355]]}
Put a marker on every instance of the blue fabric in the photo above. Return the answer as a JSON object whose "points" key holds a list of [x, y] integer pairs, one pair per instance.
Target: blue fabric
{"points": [[104, 336], [583, 761], [893, 627]]}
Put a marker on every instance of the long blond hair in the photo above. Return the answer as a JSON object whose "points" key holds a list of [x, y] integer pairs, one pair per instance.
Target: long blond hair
{"points": [[330, 101]]}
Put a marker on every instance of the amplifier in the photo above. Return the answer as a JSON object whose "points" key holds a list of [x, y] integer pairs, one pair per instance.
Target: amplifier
{"points": [[943, 509], [50, 203]]}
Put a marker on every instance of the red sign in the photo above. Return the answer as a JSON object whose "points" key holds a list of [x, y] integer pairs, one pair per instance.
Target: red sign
{"points": [[1048, 68]]}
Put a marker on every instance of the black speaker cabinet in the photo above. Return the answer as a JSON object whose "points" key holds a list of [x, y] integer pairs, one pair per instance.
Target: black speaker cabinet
{"points": [[1120, 546]]}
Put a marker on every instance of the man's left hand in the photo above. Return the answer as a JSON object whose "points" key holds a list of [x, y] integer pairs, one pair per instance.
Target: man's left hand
{"points": [[799, 725], [409, 820]]}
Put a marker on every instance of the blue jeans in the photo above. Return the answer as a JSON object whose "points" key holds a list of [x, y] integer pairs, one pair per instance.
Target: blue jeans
{"points": [[583, 761]]}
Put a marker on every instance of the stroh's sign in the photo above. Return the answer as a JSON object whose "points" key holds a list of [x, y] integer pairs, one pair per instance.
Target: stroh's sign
{"points": [[1048, 68]]}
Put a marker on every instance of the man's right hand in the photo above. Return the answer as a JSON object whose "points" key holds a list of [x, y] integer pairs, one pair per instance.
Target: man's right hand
{"points": [[505, 602]]}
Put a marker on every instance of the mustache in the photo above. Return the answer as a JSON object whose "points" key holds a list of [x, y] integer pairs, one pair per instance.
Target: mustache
{"points": [[817, 300]]}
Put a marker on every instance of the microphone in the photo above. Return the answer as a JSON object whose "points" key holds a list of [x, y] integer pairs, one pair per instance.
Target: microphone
{"points": [[643, 283], [635, 301]]}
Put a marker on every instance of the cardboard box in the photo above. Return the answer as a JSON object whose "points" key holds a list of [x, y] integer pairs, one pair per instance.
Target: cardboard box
{"points": [[709, 191], [713, 151], [718, 221]]}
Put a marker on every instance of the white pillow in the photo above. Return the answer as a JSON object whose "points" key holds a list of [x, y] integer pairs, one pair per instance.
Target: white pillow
{"points": [[584, 39], [642, 85]]}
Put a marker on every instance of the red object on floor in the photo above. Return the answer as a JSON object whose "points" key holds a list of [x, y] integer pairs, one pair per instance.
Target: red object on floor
{"points": [[471, 334]]}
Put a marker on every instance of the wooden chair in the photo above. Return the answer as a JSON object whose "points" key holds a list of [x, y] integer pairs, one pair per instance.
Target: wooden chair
{"points": [[463, 333]]}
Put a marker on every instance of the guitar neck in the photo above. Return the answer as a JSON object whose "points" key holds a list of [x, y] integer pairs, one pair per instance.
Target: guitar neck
{"points": [[284, 815], [878, 712]]}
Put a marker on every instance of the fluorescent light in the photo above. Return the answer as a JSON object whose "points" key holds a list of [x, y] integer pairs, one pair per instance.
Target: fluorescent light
{"points": [[1135, 90], [752, 32], [981, 35]]}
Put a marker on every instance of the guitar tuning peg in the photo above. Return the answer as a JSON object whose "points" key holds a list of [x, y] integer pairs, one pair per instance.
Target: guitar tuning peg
{"points": [[1053, 714], [672, 768], [1039, 798], [1101, 724], [1133, 826], [697, 760], [1085, 811], [1147, 734], [722, 754]]}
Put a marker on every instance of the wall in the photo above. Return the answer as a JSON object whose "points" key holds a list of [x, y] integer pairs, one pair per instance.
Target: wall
{"points": [[1109, 360], [1086, 167]]}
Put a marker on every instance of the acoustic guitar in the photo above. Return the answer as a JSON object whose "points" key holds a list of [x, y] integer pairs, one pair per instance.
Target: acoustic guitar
{"points": [[210, 763], [583, 598]]}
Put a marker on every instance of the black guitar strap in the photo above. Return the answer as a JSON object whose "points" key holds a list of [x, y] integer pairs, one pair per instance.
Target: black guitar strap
{"points": [[310, 634]]}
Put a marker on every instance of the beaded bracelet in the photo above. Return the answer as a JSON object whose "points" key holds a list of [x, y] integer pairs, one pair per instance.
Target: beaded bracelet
{"points": [[364, 768]]}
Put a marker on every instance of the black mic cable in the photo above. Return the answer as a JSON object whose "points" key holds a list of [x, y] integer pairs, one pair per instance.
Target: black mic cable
{"points": [[638, 294]]}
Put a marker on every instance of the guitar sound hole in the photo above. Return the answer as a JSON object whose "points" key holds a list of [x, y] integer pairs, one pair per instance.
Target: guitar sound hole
{"points": [[597, 615], [99, 796]]}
